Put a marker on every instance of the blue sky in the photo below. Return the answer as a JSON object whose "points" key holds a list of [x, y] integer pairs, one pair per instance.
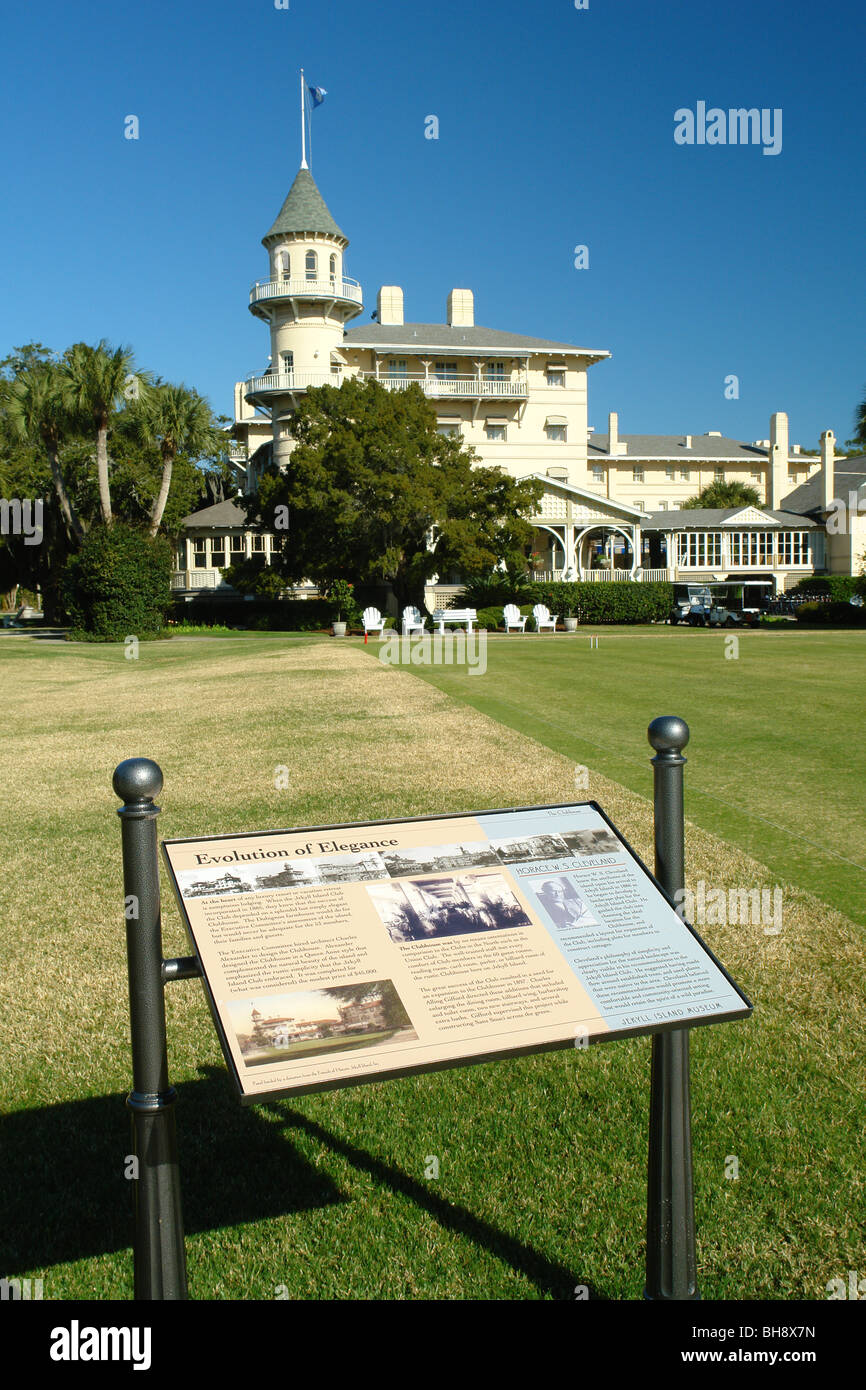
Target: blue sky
{"points": [[556, 129]]}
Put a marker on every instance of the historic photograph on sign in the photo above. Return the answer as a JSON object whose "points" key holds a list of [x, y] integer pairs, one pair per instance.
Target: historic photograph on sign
{"points": [[583, 842], [563, 904], [527, 848], [278, 1028], [422, 909]]}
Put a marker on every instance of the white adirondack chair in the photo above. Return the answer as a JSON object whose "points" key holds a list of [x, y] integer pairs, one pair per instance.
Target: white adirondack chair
{"points": [[542, 617], [412, 621], [513, 618], [373, 621]]}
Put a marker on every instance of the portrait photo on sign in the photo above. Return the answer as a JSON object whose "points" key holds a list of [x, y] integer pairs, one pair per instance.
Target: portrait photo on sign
{"points": [[426, 908], [306, 1023], [562, 903]]}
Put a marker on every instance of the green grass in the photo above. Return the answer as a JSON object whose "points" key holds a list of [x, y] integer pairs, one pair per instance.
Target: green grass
{"points": [[541, 1159], [777, 756]]}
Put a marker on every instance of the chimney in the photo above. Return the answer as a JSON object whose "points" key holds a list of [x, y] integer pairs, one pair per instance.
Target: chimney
{"points": [[389, 304], [828, 470], [615, 447], [461, 309], [778, 483], [687, 442]]}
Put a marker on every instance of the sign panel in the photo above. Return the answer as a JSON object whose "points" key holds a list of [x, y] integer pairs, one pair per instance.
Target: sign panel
{"points": [[344, 954]]}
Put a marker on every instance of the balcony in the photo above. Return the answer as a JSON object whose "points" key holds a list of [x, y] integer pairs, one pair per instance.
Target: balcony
{"points": [[257, 388], [200, 579], [345, 291], [461, 387]]}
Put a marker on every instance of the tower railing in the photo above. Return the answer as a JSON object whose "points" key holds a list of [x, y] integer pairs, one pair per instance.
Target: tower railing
{"points": [[276, 382], [326, 288]]}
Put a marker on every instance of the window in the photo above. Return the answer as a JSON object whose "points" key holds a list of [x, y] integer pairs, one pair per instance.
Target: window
{"points": [[237, 544], [556, 376], [637, 475], [719, 475], [699, 548], [638, 502], [495, 371], [446, 371], [397, 366], [258, 544], [199, 548], [757, 475], [670, 473], [751, 547], [685, 475], [556, 432], [285, 265], [495, 433], [333, 267], [663, 506], [288, 361], [312, 265], [598, 472], [218, 552], [793, 547], [675, 506], [450, 430]]}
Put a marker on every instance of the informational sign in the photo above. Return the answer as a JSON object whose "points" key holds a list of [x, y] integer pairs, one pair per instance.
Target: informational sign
{"points": [[345, 954]]}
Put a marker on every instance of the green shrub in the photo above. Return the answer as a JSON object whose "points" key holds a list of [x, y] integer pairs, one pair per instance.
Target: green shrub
{"points": [[839, 588], [260, 615], [495, 590], [118, 584], [608, 602], [255, 576], [491, 618], [831, 615]]}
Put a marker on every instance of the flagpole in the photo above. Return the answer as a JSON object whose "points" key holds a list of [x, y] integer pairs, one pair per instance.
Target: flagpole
{"points": [[303, 130]]}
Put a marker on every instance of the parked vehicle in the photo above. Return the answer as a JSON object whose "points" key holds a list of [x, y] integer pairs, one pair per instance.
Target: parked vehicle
{"points": [[720, 604]]}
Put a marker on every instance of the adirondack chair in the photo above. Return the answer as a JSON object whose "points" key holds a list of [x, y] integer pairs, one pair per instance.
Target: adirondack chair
{"points": [[412, 621], [373, 621], [513, 618], [542, 617]]}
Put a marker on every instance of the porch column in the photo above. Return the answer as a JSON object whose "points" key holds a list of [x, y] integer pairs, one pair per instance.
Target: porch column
{"points": [[570, 558], [637, 557]]}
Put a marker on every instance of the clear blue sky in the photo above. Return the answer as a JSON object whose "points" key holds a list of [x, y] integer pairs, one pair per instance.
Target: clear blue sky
{"points": [[556, 129]]}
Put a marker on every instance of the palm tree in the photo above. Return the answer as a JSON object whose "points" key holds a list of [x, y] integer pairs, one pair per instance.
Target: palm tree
{"points": [[97, 378], [179, 421], [36, 412], [724, 495]]}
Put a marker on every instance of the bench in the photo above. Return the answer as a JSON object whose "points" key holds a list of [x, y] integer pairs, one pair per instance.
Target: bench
{"points": [[455, 615]]}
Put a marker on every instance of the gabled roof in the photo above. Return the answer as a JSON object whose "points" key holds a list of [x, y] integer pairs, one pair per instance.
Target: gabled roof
{"points": [[714, 448], [712, 518], [226, 513], [304, 210], [416, 337], [587, 495], [849, 475]]}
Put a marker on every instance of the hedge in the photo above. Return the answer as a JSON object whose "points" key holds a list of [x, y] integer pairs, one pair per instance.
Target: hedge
{"points": [[834, 614], [839, 588], [118, 584], [608, 602]]}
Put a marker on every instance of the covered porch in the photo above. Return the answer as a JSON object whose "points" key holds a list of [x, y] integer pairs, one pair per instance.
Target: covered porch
{"points": [[579, 535]]}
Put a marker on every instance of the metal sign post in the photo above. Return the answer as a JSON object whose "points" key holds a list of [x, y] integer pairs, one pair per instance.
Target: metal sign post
{"points": [[160, 1262], [671, 1270]]}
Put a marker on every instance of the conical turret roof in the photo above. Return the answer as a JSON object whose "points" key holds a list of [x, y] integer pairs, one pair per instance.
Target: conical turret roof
{"points": [[304, 210]]}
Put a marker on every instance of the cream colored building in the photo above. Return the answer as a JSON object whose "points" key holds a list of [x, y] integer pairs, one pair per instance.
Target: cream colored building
{"points": [[520, 402]]}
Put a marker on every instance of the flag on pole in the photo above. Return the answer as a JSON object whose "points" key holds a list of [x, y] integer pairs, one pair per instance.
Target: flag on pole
{"points": [[317, 94]]}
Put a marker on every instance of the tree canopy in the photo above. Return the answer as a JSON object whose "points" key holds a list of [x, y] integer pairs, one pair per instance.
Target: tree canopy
{"points": [[723, 495], [374, 493]]}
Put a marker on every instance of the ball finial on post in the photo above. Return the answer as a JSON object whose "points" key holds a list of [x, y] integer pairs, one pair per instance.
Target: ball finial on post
{"points": [[668, 734], [137, 779]]}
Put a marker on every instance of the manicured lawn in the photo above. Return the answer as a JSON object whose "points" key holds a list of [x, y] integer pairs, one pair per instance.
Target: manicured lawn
{"points": [[777, 758], [541, 1160]]}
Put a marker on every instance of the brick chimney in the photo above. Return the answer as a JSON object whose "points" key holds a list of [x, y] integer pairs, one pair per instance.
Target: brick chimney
{"points": [[828, 469], [778, 482], [389, 304], [461, 309]]}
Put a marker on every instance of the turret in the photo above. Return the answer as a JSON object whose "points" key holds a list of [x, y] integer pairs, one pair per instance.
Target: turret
{"points": [[306, 302]]}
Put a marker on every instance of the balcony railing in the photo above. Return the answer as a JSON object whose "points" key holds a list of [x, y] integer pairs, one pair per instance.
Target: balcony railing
{"points": [[306, 289], [459, 386], [276, 382], [199, 578]]}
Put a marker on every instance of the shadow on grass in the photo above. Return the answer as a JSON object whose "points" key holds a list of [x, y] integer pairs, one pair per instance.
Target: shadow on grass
{"points": [[66, 1197]]}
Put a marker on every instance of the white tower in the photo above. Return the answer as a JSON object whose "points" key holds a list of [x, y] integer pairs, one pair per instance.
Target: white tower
{"points": [[307, 302]]}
